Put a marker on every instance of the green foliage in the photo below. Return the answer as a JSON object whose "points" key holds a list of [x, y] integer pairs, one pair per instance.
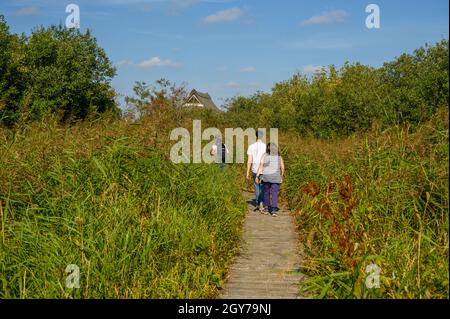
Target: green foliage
{"points": [[400, 220], [416, 85], [354, 98], [55, 70], [102, 194], [11, 78], [148, 100], [137, 225]]}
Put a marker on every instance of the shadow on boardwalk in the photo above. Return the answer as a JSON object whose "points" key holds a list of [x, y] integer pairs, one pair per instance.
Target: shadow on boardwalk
{"points": [[268, 259]]}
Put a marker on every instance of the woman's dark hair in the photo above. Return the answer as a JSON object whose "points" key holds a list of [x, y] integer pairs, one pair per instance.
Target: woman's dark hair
{"points": [[259, 134], [272, 149]]}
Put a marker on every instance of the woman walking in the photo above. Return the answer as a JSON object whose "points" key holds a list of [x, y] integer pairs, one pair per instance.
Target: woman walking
{"points": [[270, 173]]}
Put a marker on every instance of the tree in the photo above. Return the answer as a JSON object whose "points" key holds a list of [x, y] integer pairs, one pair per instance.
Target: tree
{"points": [[55, 70], [11, 76], [68, 73], [148, 100], [350, 99], [416, 85]]}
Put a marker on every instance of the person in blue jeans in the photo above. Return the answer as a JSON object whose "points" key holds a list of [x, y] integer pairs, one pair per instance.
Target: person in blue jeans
{"points": [[255, 152], [270, 173]]}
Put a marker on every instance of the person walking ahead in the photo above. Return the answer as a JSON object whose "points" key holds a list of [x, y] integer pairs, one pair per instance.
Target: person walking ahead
{"points": [[220, 151], [255, 152], [270, 172]]}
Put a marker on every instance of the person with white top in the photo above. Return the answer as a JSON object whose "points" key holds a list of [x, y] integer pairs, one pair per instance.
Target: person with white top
{"points": [[255, 152], [220, 150]]}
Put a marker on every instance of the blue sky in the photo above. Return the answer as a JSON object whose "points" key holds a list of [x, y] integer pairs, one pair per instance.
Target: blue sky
{"points": [[231, 47]]}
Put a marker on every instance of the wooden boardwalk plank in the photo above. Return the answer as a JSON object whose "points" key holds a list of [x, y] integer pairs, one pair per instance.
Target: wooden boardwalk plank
{"points": [[267, 264]]}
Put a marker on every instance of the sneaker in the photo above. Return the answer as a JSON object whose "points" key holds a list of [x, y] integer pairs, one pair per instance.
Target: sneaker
{"points": [[274, 214], [257, 209], [265, 211]]}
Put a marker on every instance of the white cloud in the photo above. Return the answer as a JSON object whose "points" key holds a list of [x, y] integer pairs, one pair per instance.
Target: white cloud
{"points": [[312, 69], [28, 11], [248, 69], [233, 85], [157, 62], [327, 17], [228, 15], [153, 62]]}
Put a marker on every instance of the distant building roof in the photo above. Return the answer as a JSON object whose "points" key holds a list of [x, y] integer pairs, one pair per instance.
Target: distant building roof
{"points": [[199, 99]]}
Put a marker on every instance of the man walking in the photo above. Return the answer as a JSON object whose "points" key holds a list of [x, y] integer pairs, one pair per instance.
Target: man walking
{"points": [[255, 152], [220, 150]]}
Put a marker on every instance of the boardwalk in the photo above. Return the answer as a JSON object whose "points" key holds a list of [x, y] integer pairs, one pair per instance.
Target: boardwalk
{"points": [[268, 259]]}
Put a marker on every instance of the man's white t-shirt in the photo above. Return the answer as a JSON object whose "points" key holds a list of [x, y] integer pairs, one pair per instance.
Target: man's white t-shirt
{"points": [[256, 150]]}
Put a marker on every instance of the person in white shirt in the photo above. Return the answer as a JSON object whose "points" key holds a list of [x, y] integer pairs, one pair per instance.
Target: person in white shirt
{"points": [[220, 150], [255, 152]]}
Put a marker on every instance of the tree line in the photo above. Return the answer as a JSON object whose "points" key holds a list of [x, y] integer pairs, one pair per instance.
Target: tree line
{"points": [[352, 98], [63, 71]]}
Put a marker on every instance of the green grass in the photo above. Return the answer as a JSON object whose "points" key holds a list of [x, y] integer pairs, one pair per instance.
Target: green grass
{"points": [[137, 225], [103, 195], [400, 221]]}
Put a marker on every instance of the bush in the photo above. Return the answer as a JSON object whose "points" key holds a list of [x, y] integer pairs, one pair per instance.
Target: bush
{"points": [[98, 195], [379, 198], [55, 70], [11, 79], [340, 102]]}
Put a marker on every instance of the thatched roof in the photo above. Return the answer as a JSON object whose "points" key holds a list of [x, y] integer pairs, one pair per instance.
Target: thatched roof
{"points": [[199, 99]]}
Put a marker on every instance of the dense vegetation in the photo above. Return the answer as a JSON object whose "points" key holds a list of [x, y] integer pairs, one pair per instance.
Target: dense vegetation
{"points": [[366, 151], [380, 198], [337, 102], [104, 197], [367, 156], [54, 70], [101, 193]]}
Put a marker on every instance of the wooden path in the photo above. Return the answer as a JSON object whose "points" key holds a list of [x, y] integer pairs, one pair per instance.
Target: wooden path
{"points": [[268, 259]]}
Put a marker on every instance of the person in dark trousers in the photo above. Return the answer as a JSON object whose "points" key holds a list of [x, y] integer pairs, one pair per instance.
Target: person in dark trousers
{"points": [[220, 150], [270, 173], [255, 152]]}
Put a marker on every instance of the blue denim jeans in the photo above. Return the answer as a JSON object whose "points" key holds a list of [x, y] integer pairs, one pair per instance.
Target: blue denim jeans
{"points": [[259, 191]]}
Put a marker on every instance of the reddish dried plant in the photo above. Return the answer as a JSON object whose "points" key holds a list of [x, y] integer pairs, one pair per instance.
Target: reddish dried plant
{"points": [[348, 197], [312, 189], [342, 229]]}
